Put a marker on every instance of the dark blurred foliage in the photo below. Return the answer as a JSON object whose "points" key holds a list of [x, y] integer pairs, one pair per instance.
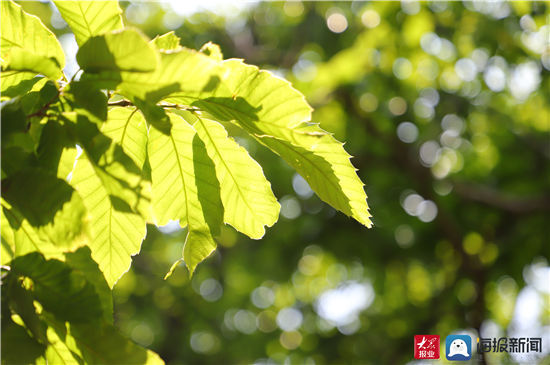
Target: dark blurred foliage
{"points": [[446, 108]]}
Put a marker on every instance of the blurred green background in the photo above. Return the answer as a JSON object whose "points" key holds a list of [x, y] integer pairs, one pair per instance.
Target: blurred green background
{"points": [[446, 110]]}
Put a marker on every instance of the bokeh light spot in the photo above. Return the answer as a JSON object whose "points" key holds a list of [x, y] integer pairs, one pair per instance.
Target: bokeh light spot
{"points": [[397, 105], [337, 22], [370, 19], [407, 132]]}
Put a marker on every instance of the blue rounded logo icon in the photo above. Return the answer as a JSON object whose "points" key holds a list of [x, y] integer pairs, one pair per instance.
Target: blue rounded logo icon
{"points": [[458, 347]]}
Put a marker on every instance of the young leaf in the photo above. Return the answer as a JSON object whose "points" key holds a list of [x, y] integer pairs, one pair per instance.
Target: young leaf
{"points": [[249, 203], [90, 18], [7, 248], [82, 262], [126, 50], [60, 290], [19, 237], [167, 42], [76, 333], [21, 302], [128, 128], [92, 100], [15, 83], [326, 166], [185, 187], [95, 343], [27, 32], [18, 347], [52, 207], [212, 50], [278, 116], [117, 232], [119, 175], [19, 59], [178, 71]]}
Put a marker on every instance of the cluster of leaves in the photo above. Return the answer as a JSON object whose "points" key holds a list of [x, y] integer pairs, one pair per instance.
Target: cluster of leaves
{"points": [[424, 278], [140, 137]]}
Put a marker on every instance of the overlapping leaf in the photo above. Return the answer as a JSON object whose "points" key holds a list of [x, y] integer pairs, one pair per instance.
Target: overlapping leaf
{"points": [[126, 50], [34, 47], [61, 290], [49, 217], [184, 70], [249, 203], [117, 231], [94, 343], [278, 116], [90, 18], [185, 187], [120, 176], [70, 328], [21, 60]]}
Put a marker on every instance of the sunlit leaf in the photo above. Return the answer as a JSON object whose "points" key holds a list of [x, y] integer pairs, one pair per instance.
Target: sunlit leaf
{"points": [[121, 178], [249, 203], [126, 50], [101, 343], [22, 60], [212, 50], [167, 42], [52, 208], [60, 290], [278, 116], [117, 230], [185, 187], [27, 32], [182, 70], [90, 18]]}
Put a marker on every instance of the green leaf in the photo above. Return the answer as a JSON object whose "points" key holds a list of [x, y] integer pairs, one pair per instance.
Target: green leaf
{"points": [[185, 187], [21, 303], [167, 42], [16, 83], [19, 237], [117, 231], [58, 351], [276, 114], [18, 347], [56, 151], [7, 252], [94, 101], [43, 92], [120, 176], [14, 119], [126, 50], [326, 166], [212, 50], [29, 34], [71, 308], [249, 203], [185, 70], [90, 18], [52, 207], [127, 127], [60, 290], [82, 262], [19, 59], [96, 343]]}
